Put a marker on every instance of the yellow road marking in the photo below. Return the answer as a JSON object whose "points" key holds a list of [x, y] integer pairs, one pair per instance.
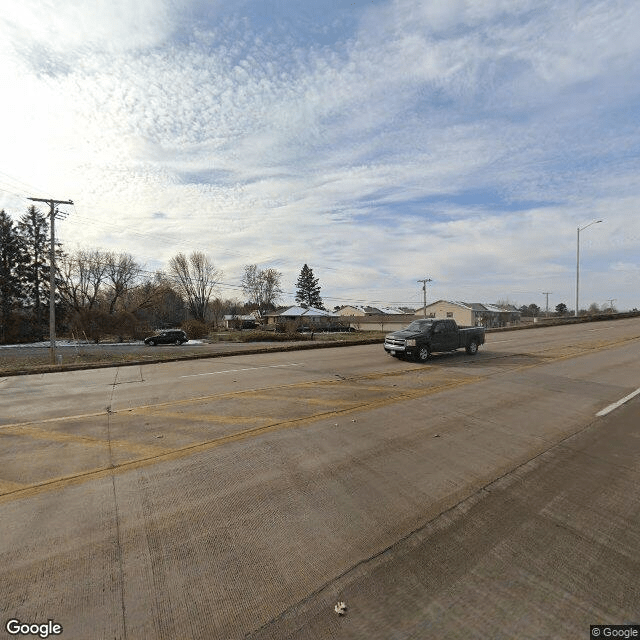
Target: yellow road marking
{"points": [[13, 491], [7, 487], [298, 399], [206, 417], [56, 436], [95, 474]]}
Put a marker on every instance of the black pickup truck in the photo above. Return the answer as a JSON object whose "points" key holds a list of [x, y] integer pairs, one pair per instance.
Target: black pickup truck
{"points": [[422, 337]]}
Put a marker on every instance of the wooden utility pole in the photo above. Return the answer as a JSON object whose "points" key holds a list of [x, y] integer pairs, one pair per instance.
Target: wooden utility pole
{"points": [[547, 293], [52, 273], [424, 293]]}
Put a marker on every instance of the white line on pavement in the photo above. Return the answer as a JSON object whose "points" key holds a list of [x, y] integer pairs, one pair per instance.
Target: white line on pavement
{"points": [[215, 373], [615, 405]]}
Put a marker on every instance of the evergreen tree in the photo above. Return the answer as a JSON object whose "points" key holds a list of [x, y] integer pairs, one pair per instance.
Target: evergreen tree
{"points": [[34, 230], [12, 263], [308, 289]]}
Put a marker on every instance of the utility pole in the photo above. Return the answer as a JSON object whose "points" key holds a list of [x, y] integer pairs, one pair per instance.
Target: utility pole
{"points": [[424, 293], [52, 272], [611, 301], [547, 293]]}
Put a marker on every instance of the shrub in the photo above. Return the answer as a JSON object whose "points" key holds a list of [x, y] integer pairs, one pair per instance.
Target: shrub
{"points": [[267, 336], [195, 329]]}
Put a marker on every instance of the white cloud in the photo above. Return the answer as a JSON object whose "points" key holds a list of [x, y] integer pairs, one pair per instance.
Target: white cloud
{"points": [[460, 140], [72, 27]]}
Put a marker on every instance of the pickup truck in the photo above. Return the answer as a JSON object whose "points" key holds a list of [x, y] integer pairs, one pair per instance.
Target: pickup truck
{"points": [[423, 337]]}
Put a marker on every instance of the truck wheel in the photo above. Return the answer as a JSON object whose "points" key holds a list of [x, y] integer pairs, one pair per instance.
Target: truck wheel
{"points": [[472, 349], [423, 354]]}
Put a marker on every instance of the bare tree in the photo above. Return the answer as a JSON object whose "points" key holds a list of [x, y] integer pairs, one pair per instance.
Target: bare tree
{"points": [[594, 309], [261, 286], [217, 309], [81, 276], [251, 284], [155, 300], [121, 273], [196, 278]]}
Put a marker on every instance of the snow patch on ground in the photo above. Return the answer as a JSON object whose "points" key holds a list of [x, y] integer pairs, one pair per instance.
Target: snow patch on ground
{"points": [[81, 343]]}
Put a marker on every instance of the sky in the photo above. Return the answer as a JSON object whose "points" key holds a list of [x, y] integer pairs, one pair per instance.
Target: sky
{"points": [[379, 142]]}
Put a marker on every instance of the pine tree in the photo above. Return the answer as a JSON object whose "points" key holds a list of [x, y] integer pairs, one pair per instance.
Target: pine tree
{"points": [[34, 229], [12, 263], [308, 289]]}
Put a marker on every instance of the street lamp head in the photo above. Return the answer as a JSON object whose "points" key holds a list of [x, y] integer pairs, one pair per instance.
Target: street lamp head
{"points": [[588, 225]]}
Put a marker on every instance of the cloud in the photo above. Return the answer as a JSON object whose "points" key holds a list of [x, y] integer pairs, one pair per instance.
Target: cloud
{"points": [[72, 28], [462, 140]]}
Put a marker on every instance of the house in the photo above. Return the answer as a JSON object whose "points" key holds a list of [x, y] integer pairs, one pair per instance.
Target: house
{"points": [[471, 314], [387, 311], [249, 321], [357, 310], [351, 310], [303, 315]]}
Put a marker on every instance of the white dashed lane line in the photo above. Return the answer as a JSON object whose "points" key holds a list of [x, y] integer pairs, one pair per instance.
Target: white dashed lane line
{"points": [[615, 405], [215, 373]]}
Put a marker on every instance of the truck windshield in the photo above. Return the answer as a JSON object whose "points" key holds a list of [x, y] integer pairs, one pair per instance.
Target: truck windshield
{"points": [[420, 325]]}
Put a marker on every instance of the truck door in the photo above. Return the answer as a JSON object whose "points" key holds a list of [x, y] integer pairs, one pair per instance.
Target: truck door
{"points": [[445, 336]]}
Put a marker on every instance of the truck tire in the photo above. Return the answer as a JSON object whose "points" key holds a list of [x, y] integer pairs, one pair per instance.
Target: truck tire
{"points": [[472, 349], [423, 354]]}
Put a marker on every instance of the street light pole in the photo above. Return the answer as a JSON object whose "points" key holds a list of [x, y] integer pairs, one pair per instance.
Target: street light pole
{"points": [[578, 263]]}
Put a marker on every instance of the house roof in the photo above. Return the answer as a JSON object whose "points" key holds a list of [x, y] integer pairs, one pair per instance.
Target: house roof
{"points": [[464, 305], [357, 307], [372, 310], [390, 311], [237, 317], [474, 306], [311, 311]]}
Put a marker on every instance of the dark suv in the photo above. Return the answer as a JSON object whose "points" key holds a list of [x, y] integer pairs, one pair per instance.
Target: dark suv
{"points": [[170, 336]]}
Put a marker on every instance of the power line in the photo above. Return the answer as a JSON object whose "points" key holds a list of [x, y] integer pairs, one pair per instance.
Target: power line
{"points": [[22, 186]]}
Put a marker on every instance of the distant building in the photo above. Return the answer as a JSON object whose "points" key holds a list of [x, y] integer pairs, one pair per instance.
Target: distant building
{"points": [[350, 310], [307, 315], [471, 314], [248, 321], [357, 310]]}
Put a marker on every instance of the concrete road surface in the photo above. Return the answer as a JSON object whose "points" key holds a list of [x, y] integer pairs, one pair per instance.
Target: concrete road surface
{"points": [[243, 497]]}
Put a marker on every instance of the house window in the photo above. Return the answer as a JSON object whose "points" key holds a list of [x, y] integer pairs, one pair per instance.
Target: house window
{"points": [[449, 314]]}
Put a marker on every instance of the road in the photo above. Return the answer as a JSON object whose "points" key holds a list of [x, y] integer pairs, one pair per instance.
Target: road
{"points": [[470, 497]]}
